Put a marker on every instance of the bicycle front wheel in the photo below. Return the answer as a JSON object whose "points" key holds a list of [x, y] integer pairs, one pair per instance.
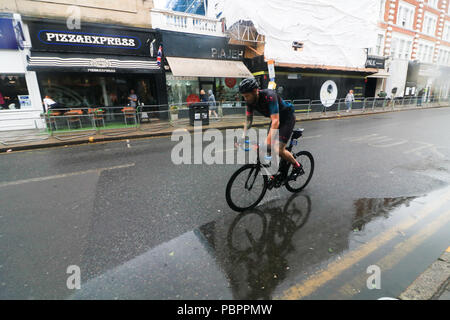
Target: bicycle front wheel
{"points": [[246, 188]]}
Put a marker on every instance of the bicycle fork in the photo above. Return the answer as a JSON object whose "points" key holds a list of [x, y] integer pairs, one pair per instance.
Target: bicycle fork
{"points": [[250, 186]]}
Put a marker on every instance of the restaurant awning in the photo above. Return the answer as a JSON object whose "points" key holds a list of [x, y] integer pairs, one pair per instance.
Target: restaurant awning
{"points": [[381, 74], [187, 67], [91, 63]]}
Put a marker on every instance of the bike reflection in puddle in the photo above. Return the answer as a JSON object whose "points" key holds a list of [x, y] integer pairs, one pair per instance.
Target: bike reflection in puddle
{"points": [[253, 247]]}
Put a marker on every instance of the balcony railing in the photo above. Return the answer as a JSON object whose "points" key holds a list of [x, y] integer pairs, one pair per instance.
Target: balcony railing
{"points": [[185, 22]]}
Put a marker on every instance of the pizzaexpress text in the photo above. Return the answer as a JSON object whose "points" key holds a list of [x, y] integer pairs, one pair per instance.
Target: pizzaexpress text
{"points": [[88, 39]]}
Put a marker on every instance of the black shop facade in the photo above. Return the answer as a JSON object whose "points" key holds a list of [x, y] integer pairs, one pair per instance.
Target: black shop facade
{"points": [[97, 65], [193, 62], [308, 83]]}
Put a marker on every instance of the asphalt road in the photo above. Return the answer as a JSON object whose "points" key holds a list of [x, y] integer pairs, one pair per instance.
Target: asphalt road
{"points": [[140, 227]]}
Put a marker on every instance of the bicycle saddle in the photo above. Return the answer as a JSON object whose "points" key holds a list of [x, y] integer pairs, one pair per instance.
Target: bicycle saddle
{"points": [[297, 133]]}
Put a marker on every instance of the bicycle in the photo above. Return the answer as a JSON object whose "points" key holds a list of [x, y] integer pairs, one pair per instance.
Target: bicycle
{"points": [[284, 177]]}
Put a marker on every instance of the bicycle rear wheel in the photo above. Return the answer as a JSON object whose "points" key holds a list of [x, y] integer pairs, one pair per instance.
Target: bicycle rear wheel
{"points": [[246, 188], [307, 161]]}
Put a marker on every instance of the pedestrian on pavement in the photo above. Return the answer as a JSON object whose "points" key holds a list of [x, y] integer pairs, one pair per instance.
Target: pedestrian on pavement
{"points": [[420, 97], [51, 104], [349, 100], [212, 104], [133, 98], [203, 96]]}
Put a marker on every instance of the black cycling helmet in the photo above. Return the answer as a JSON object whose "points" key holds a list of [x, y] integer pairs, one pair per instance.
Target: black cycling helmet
{"points": [[248, 85]]}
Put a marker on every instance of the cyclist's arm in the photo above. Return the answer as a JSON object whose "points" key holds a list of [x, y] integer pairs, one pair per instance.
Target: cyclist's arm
{"points": [[275, 118]]}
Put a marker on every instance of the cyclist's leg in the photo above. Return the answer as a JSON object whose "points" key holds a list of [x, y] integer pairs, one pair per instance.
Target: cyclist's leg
{"points": [[285, 132]]}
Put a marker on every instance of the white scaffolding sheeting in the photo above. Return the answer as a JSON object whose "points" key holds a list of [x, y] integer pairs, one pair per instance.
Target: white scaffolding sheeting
{"points": [[333, 32]]}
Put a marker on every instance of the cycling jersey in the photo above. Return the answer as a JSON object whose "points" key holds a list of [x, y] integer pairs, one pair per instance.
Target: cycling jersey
{"points": [[269, 103]]}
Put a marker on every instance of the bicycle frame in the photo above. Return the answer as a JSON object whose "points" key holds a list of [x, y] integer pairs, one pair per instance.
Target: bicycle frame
{"points": [[282, 170]]}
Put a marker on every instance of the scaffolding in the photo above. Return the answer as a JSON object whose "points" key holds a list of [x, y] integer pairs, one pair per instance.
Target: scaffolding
{"points": [[245, 31]]}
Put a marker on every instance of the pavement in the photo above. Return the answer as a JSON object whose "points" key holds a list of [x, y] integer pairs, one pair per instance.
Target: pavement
{"points": [[433, 283], [37, 139]]}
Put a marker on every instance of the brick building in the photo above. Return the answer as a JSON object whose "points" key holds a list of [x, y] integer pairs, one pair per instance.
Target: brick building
{"points": [[415, 37]]}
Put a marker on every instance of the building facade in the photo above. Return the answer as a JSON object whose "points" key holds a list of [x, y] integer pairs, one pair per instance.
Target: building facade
{"points": [[199, 56], [89, 55], [20, 100], [415, 36], [97, 65], [318, 57], [133, 13]]}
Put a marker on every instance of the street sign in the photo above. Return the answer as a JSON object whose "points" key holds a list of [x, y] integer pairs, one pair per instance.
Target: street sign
{"points": [[271, 67], [375, 62]]}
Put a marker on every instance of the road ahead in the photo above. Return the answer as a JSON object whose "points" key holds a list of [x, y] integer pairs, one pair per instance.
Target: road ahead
{"points": [[141, 227]]}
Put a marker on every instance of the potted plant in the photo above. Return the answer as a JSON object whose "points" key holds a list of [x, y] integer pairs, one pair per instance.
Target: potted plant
{"points": [[382, 94], [173, 113]]}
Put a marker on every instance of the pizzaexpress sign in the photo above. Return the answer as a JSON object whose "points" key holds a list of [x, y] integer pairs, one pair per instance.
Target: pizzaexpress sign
{"points": [[51, 36], [88, 39]]}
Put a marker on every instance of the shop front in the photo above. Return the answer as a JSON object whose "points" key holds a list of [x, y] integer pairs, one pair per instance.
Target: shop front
{"points": [[20, 105], [429, 81], [196, 62], [376, 83], [305, 84], [98, 66]]}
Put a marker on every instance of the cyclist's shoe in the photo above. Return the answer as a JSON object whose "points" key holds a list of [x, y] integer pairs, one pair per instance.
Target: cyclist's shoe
{"points": [[296, 172]]}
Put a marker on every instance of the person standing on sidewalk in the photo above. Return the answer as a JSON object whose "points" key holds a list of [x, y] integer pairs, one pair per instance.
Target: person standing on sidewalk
{"points": [[203, 96], [420, 97], [212, 104], [349, 100]]}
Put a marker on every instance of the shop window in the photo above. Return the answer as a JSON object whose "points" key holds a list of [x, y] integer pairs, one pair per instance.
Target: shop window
{"points": [[13, 92], [228, 91], [180, 88], [86, 90]]}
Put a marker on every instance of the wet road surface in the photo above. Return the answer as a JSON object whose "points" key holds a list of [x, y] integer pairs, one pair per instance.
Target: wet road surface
{"points": [[140, 227]]}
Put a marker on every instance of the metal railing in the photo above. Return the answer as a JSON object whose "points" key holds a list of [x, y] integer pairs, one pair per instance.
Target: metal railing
{"points": [[67, 124], [186, 22]]}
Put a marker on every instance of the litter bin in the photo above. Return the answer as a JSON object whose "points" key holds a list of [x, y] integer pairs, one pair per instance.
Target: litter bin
{"points": [[199, 112]]}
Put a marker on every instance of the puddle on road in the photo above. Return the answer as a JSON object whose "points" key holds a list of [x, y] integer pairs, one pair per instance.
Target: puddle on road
{"points": [[252, 254], [367, 210]]}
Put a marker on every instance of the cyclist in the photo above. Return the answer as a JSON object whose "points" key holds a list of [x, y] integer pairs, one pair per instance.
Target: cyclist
{"points": [[281, 113]]}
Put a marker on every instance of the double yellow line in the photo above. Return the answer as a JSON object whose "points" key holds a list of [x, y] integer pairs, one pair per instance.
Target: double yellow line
{"points": [[335, 268]]}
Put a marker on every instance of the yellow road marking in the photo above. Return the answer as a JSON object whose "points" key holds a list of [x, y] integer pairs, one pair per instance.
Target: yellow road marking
{"points": [[400, 251], [337, 267]]}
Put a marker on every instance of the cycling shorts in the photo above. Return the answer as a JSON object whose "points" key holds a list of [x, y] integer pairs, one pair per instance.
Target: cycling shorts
{"points": [[287, 124]]}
